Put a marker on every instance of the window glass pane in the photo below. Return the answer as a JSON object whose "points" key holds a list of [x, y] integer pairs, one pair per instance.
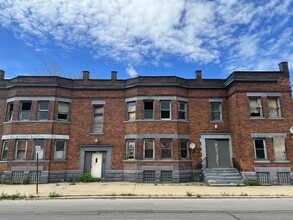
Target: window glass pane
{"points": [[9, 112], [21, 149], [148, 148], [131, 106], [184, 149], [166, 148], [274, 110], [63, 107], [259, 149], [165, 105], [40, 143], [60, 150], [165, 114], [44, 105], [4, 150], [182, 106], [130, 149], [25, 115], [26, 106], [148, 105], [215, 107], [216, 116], [43, 115], [255, 107], [148, 114]]}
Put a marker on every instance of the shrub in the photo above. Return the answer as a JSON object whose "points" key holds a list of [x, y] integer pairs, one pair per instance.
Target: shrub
{"points": [[12, 196], [189, 193], [87, 178], [24, 181], [54, 194], [252, 182]]}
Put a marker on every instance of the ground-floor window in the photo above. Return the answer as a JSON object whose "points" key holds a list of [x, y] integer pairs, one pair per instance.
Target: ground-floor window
{"points": [[183, 149], [60, 147], [148, 145], [20, 150], [260, 149], [4, 152], [130, 149], [166, 148]]}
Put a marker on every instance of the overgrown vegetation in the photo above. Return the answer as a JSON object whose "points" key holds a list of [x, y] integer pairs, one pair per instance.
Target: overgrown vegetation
{"points": [[189, 194], [252, 182], [54, 194], [24, 181], [12, 196], [87, 178]]}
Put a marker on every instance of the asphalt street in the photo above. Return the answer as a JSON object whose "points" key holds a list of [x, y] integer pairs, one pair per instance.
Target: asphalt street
{"points": [[277, 208]]}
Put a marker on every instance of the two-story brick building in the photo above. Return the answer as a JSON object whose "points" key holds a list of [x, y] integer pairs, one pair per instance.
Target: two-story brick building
{"points": [[148, 129]]}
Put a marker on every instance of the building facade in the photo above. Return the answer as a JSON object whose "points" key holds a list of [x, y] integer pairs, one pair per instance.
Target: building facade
{"points": [[147, 129]]}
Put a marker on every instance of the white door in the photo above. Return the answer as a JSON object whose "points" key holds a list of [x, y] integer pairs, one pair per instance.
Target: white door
{"points": [[96, 166]]}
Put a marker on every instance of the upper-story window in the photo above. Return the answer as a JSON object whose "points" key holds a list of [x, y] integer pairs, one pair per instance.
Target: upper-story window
{"points": [[98, 118], [9, 111], [274, 107], [260, 149], [182, 110], [4, 152], [130, 149], [255, 107], [63, 111], [216, 111], [60, 149], [166, 148], [40, 143], [148, 109], [43, 110], [131, 111], [20, 149], [148, 146], [165, 109], [25, 110]]}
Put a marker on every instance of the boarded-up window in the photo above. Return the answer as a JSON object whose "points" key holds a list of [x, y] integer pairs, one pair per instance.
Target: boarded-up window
{"points": [[279, 148]]}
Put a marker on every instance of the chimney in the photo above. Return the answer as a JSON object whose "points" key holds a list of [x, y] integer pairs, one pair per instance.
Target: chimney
{"points": [[198, 74], [86, 75], [2, 74], [113, 75], [283, 66]]}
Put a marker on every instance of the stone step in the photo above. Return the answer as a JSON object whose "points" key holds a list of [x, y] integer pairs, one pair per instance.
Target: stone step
{"points": [[223, 177]]}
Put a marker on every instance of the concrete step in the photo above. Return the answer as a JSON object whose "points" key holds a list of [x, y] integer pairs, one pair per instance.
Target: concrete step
{"points": [[223, 177]]}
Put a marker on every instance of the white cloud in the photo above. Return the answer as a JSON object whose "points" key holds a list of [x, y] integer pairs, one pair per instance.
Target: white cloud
{"points": [[150, 31], [131, 71]]}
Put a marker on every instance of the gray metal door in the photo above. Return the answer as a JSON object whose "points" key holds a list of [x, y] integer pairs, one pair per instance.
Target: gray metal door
{"points": [[218, 153], [87, 161]]}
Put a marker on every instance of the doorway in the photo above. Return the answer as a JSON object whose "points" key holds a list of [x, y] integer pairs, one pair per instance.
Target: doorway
{"points": [[96, 165], [218, 153]]}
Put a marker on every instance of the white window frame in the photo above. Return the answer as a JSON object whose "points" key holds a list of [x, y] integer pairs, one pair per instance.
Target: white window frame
{"points": [[59, 112], [21, 110], [5, 147], [171, 149], [64, 150], [43, 110], [16, 150], [184, 111], [130, 110], [144, 110], [9, 112], [278, 106], [95, 129], [144, 144], [264, 146], [128, 151], [220, 111], [259, 105], [165, 110], [34, 155]]}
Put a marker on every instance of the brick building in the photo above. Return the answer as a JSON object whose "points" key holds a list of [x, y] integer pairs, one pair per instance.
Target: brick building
{"points": [[148, 129]]}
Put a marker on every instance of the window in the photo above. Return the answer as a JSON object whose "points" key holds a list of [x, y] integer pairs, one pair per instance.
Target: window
{"points": [[43, 109], [165, 109], [130, 149], [255, 107], [98, 121], [148, 109], [260, 150], [25, 110], [279, 148], [166, 148], [148, 145], [216, 111], [9, 111], [4, 152], [274, 107], [131, 111], [40, 143], [182, 110], [60, 146], [63, 110], [183, 149], [20, 150]]}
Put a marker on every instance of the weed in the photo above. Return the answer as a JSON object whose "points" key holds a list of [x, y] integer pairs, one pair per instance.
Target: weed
{"points": [[113, 194], [54, 194], [188, 193], [31, 196], [243, 194], [198, 195], [225, 194], [252, 182], [86, 178], [12, 196], [127, 194], [24, 181]]}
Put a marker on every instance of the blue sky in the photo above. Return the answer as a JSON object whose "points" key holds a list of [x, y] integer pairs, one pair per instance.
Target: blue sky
{"points": [[145, 37]]}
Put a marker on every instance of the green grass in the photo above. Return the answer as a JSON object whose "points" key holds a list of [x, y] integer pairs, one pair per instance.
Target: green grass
{"points": [[54, 194], [12, 196]]}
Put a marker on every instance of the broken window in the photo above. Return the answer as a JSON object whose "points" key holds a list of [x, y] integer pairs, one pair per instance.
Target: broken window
{"points": [[25, 110], [255, 107], [260, 150], [130, 149]]}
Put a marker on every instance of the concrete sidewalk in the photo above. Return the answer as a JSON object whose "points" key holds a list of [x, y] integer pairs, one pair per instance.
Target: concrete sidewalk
{"points": [[138, 190]]}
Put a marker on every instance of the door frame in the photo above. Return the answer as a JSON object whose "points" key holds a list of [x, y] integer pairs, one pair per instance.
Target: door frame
{"points": [[203, 138]]}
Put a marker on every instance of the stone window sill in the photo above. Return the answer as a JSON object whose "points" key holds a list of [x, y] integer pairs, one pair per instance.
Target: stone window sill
{"points": [[262, 161], [281, 161]]}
